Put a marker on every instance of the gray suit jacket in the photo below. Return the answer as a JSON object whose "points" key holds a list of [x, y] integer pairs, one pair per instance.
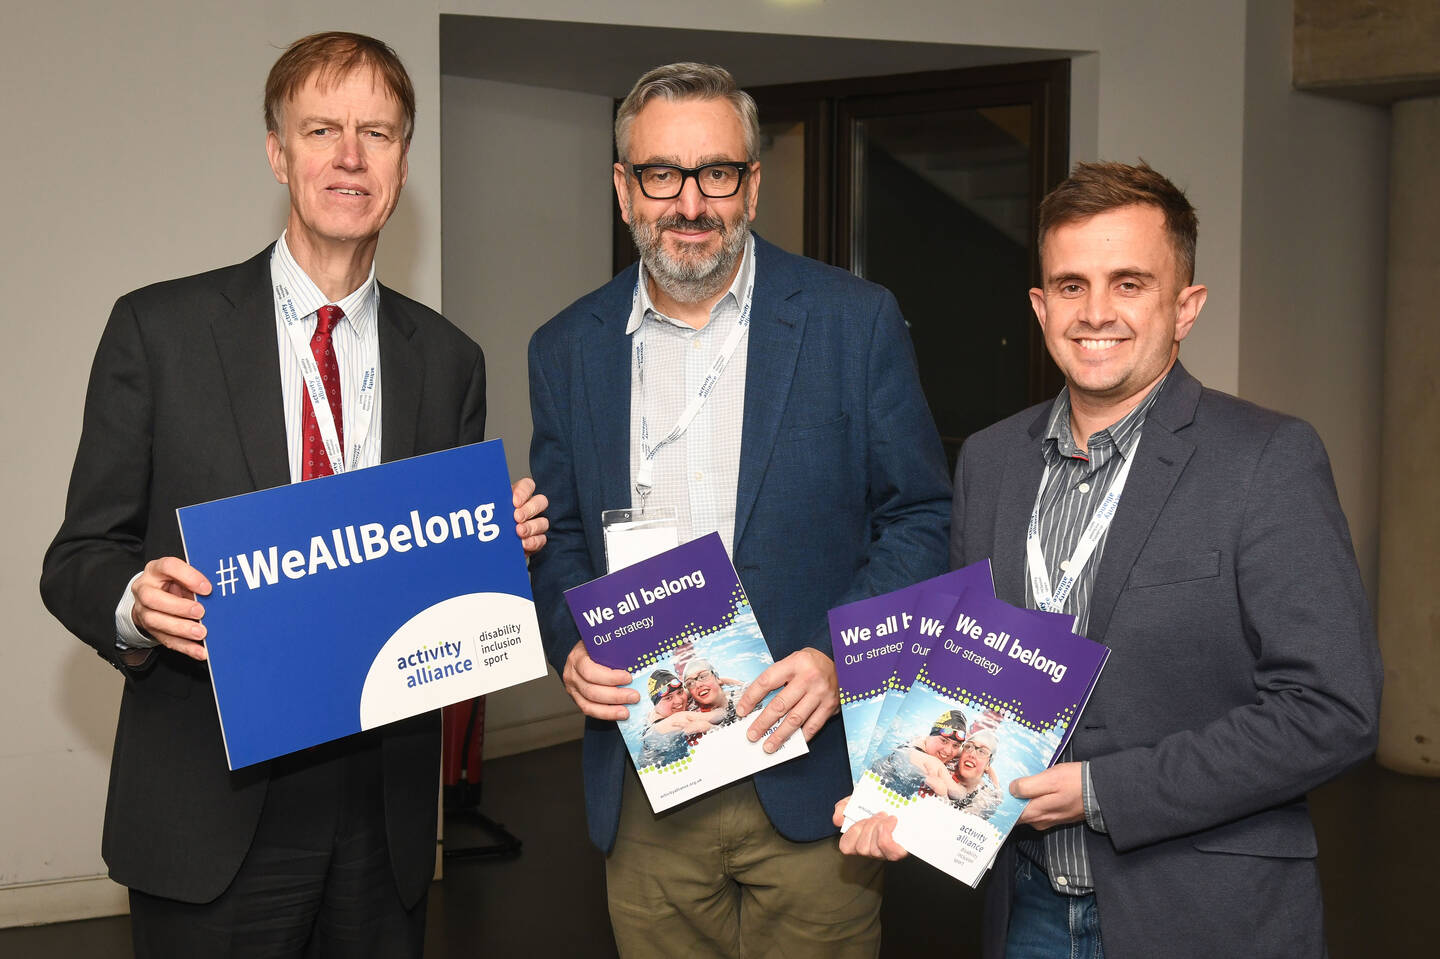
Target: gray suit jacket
{"points": [[1243, 669], [184, 406]]}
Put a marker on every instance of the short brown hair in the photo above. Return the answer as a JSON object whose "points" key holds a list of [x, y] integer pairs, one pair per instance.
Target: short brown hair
{"points": [[1094, 188], [330, 57], [687, 81]]}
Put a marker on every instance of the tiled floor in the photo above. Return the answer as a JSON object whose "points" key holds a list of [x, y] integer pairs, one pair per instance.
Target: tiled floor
{"points": [[1379, 840]]}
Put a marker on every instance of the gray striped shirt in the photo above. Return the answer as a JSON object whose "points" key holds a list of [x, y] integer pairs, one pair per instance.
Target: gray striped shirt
{"points": [[1074, 483]]}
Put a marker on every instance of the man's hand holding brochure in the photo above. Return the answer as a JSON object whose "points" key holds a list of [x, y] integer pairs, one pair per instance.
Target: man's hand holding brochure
{"points": [[680, 623], [948, 696]]}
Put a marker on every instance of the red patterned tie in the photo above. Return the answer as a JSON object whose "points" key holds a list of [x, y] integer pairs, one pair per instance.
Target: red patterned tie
{"points": [[315, 462]]}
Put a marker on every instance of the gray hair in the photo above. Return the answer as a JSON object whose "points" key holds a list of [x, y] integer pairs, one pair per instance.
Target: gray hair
{"points": [[688, 81]]}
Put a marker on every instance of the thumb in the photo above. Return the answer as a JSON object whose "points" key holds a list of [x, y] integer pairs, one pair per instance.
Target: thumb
{"points": [[1024, 788]]}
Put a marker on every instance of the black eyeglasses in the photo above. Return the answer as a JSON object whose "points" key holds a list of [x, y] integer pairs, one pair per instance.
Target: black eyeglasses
{"points": [[661, 181]]}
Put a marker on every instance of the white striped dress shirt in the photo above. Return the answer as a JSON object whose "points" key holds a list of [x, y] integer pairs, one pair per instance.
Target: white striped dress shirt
{"points": [[356, 343]]}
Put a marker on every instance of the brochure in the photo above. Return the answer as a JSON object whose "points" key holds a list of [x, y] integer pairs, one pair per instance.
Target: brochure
{"points": [[994, 701], [681, 624], [351, 601], [868, 637], [930, 618]]}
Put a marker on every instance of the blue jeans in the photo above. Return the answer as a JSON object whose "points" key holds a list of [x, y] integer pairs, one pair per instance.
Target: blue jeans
{"points": [[1047, 925]]}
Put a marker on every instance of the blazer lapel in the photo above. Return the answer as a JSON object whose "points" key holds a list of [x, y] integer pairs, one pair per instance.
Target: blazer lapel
{"points": [[1160, 459], [402, 378], [777, 326], [245, 340], [1019, 485], [605, 368]]}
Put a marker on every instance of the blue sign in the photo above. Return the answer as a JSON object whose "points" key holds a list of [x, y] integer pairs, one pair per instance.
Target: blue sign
{"points": [[351, 601]]}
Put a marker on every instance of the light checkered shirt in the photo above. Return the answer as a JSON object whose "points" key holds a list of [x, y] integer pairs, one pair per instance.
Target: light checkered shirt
{"points": [[699, 473]]}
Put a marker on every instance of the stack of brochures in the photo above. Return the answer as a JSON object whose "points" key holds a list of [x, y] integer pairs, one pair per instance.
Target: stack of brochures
{"points": [[681, 624], [948, 695]]}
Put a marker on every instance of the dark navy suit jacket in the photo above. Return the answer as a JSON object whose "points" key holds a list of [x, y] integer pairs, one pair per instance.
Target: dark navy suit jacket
{"points": [[842, 486], [184, 406], [1243, 670]]}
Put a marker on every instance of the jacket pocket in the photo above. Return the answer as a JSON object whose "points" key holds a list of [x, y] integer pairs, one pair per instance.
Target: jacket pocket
{"points": [[1284, 833], [805, 431], [1179, 569]]}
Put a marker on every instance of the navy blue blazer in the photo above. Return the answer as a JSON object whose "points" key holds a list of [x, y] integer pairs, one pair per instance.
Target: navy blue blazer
{"points": [[842, 486], [184, 406], [1243, 670]]}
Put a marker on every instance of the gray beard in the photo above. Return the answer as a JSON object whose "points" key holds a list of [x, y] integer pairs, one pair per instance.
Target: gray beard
{"points": [[693, 279]]}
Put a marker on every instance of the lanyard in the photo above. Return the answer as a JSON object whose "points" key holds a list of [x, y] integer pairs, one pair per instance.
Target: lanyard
{"points": [[645, 476], [1094, 532], [315, 389]]}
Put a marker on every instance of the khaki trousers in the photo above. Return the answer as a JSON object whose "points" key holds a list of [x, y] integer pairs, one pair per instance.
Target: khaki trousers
{"points": [[713, 878]]}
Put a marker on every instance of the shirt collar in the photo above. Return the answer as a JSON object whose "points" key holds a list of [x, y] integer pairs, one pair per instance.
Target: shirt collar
{"points": [[1122, 435], [359, 306], [645, 307]]}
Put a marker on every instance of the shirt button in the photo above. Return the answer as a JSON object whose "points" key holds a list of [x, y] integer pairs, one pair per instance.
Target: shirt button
{"points": [[1062, 881], [1084, 487], [699, 476], [1064, 566], [696, 342]]}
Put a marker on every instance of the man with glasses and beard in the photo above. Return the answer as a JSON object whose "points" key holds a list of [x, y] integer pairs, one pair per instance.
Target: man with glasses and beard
{"points": [[771, 399]]}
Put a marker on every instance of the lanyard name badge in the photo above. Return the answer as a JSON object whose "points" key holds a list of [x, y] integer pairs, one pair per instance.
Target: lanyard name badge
{"points": [[632, 535], [315, 390], [1054, 602]]}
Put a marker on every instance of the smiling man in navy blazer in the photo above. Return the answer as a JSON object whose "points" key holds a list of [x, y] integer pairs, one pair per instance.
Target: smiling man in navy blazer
{"points": [[1243, 669], [196, 394], [814, 457]]}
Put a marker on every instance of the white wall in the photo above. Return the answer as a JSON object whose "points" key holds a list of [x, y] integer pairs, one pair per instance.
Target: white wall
{"points": [[1312, 288], [138, 157], [520, 246]]}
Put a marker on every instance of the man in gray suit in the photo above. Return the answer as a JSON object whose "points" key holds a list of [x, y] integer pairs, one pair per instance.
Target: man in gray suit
{"points": [[1200, 538]]}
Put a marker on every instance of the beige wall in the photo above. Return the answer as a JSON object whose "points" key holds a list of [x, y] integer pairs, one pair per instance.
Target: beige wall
{"points": [[138, 157]]}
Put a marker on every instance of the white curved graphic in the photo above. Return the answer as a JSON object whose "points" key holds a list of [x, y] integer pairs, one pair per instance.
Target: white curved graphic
{"points": [[462, 647]]}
